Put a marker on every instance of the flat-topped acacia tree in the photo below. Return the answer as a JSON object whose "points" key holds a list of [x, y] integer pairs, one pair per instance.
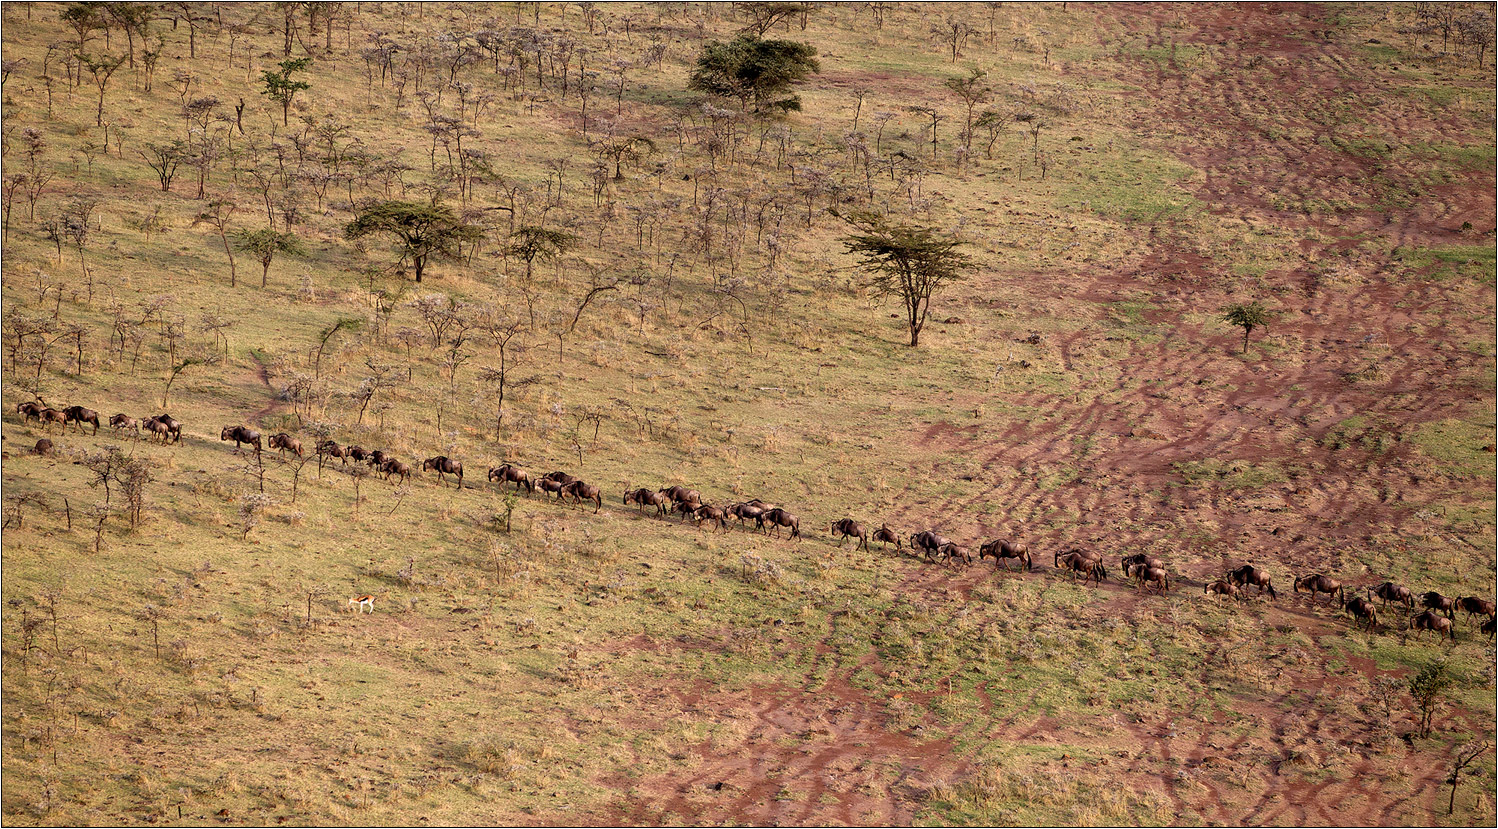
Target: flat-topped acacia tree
{"points": [[908, 261], [423, 230]]}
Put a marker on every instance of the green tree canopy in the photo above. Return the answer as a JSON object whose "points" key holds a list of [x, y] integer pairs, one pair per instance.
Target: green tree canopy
{"points": [[754, 70], [1248, 316], [531, 243], [423, 230], [264, 244], [281, 88], [908, 261]]}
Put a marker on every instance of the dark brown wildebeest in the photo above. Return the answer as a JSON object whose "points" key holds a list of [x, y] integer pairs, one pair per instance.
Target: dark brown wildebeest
{"points": [[778, 518], [124, 421], [848, 528], [1221, 587], [44, 448], [157, 427], [951, 552], [80, 416], [1391, 592], [442, 464], [646, 498], [241, 434], [391, 466], [358, 453], [509, 473], [1435, 601], [1474, 606], [1158, 575], [747, 512], [680, 495], [1490, 627], [1317, 583], [49, 416], [378, 457], [173, 427], [1087, 554], [1361, 608], [1430, 621], [1075, 562], [711, 513], [582, 492], [1139, 561], [284, 442], [884, 535], [329, 448], [554, 481], [928, 542], [1001, 549], [28, 411], [1249, 574]]}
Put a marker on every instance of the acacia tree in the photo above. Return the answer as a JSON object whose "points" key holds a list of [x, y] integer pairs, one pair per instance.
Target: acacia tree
{"points": [[754, 70], [1248, 316], [907, 261], [264, 244], [218, 213], [281, 88], [423, 230], [532, 243]]}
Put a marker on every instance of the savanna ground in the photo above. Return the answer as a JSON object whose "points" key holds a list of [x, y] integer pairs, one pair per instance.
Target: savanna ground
{"points": [[1334, 161]]}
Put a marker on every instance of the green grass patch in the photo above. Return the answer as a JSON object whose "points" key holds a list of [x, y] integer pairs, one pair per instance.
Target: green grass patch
{"points": [[1457, 444]]}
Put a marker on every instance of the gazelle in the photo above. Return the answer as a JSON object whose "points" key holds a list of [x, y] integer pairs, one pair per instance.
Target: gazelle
{"points": [[360, 604]]}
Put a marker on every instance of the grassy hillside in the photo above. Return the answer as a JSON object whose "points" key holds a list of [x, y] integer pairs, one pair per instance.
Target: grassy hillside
{"points": [[535, 662]]}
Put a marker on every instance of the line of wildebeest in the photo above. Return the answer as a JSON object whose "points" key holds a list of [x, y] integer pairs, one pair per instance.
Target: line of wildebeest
{"points": [[1142, 569]]}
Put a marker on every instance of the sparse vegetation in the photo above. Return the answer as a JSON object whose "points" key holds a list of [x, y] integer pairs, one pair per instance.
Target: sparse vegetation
{"points": [[688, 315]]}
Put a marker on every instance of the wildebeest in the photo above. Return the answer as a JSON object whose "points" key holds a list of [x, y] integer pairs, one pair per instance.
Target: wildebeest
{"points": [[884, 535], [1490, 627], [1361, 608], [284, 442], [124, 421], [681, 494], [928, 542], [1090, 568], [646, 498], [1317, 583], [1391, 592], [80, 416], [951, 552], [848, 528], [554, 481], [163, 428], [747, 512], [1001, 549], [778, 518], [377, 458], [1474, 606], [28, 411], [391, 466], [1077, 551], [1221, 587], [582, 492], [358, 453], [442, 464], [1139, 561], [1430, 621], [241, 434], [705, 512], [509, 473], [1158, 575], [1249, 574], [329, 448], [48, 416], [1435, 601]]}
